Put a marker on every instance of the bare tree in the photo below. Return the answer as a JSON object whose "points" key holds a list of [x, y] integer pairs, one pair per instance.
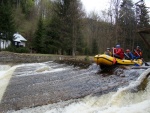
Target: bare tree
{"points": [[115, 7]]}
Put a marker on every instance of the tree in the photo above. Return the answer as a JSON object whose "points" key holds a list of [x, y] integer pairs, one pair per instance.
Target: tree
{"points": [[97, 33], [7, 25], [75, 12], [142, 19], [142, 15], [27, 7], [68, 15], [52, 41], [26, 16], [94, 47], [127, 24], [114, 11], [39, 36]]}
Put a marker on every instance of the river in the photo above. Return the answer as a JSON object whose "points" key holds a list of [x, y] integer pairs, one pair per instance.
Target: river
{"points": [[58, 88]]}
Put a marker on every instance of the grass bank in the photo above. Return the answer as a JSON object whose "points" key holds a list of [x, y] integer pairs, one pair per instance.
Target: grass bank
{"points": [[16, 58]]}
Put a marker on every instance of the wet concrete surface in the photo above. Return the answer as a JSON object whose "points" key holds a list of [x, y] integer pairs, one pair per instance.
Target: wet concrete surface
{"points": [[41, 84]]}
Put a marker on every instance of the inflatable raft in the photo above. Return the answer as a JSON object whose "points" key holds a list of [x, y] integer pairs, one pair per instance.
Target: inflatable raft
{"points": [[105, 61]]}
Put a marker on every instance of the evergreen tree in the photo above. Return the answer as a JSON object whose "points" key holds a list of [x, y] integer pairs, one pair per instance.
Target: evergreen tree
{"points": [[142, 15], [27, 7], [7, 25], [65, 25], [126, 24], [39, 37], [54, 30], [73, 17], [94, 47], [52, 40]]}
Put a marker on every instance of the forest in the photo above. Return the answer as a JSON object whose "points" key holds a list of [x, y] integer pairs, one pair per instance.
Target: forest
{"points": [[63, 27]]}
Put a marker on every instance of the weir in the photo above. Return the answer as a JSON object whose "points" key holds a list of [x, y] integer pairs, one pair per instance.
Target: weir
{"points": [[38, 84]]}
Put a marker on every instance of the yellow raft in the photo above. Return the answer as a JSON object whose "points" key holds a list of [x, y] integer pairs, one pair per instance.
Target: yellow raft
{"points": [[106, 60]]}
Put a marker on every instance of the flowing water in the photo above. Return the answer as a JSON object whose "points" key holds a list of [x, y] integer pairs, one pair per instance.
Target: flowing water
{"points": [[129, 97]]}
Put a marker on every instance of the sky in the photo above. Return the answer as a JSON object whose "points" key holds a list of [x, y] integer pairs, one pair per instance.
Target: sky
{"points": [[98, 5]]}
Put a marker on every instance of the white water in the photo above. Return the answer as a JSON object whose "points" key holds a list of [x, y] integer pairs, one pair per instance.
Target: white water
{"points": [[5, 76], [3, 70], [122, 101]]}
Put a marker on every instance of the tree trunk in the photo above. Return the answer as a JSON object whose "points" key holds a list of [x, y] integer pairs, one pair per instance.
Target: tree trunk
{"points": [[74, 41]]}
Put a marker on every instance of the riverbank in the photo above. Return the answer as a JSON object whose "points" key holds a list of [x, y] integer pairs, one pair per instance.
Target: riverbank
{"points": [[11, 59]]}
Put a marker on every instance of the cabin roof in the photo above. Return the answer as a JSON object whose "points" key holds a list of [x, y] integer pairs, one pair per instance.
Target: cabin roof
{"points": [[18, 37]]}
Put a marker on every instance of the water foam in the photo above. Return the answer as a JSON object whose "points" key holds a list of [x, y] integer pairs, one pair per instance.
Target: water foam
{"points": [[5, 78], [122, 101]]}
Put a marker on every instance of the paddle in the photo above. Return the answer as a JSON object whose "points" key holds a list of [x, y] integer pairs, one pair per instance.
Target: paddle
{"points": [[127, 55], [113, 52], [114, 60], [146, 64]]}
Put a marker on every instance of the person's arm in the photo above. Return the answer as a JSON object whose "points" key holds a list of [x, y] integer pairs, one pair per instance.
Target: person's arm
{"points": [[118, 51]]}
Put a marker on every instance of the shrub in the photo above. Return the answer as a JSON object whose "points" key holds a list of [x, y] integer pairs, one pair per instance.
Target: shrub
{"points": [[17, 49], [86, 58]]}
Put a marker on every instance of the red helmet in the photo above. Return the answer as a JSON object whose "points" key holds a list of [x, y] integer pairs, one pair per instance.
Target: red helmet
{"points": [[127, 50]]}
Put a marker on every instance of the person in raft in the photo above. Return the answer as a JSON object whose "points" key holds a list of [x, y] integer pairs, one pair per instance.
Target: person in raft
{"points": [[129, 55], [108, 52], [118, 52], [138, 52]]}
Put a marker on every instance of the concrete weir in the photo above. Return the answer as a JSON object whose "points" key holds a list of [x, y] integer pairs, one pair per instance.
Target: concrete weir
{"points": [[37, 84]]}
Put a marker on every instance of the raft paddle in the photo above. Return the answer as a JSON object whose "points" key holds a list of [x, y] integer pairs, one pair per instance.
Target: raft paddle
{"points": [[127, 55], [146, 64]]}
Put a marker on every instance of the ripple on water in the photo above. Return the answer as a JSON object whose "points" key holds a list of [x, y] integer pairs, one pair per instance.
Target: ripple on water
{"points": [[75, 82]]}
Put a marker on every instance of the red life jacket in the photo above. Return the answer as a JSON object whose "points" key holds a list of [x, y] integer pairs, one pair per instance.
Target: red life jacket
{"points": [[138, 52], [120, 52]]}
